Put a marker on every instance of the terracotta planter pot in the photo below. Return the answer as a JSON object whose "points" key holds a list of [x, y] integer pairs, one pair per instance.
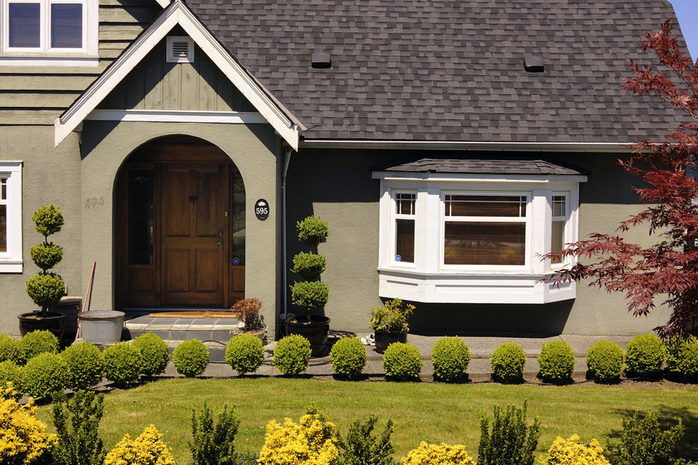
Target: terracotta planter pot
{"points": [[384, 338], [51, 321], [316, 330]]}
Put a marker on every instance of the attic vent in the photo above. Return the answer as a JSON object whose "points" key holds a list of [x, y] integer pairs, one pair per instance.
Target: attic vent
{"points": [[180, 50], [534, 64], [322, 60]]}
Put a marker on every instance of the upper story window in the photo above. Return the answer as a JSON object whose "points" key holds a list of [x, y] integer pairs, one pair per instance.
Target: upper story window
{"points": [[10, 217], [61, 32]]}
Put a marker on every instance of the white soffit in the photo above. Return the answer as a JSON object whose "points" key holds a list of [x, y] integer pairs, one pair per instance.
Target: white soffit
{"points": [[288, 127]]}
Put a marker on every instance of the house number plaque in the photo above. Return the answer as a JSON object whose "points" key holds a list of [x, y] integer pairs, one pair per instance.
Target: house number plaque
{"points": [[261, 209]]}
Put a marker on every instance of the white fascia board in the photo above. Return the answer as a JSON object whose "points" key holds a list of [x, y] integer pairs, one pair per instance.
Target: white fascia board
{"points": [[177, 14], [468, 177], [177, 116], [465, 145]]}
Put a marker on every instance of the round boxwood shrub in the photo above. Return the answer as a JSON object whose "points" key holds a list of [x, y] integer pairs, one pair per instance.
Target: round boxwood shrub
{"points": [[9, 349], [190, 358], [154, 353], [450, 357], [245, 353], [292, 354], [402, 361], [682, 356], [85, 365], [45, 375], [10, 372], [605, 361], [348, 356], [556, 361], [122, 363], [644, 356], [38, 342], [507, 363]]}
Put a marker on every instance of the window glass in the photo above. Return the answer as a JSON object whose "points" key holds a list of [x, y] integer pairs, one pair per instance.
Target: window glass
{"points": [[405, 208], [239, 230], [479, 205], [3, 228], [25, 25], [66, 25], [558, 226], [484, 243], [140, 224]]}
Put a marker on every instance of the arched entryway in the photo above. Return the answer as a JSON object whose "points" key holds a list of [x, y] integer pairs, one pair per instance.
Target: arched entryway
{"points": [[180, 227]]}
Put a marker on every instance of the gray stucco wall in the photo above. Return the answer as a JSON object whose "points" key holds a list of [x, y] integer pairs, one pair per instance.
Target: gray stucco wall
{"points": [[337, 186]]}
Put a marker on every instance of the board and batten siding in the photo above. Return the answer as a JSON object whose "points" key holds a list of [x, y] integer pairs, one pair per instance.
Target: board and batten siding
{"points": [[157, 85], [37, 95]]}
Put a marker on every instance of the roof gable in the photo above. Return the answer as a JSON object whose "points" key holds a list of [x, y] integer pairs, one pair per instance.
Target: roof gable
{"points": [[288, 127]]}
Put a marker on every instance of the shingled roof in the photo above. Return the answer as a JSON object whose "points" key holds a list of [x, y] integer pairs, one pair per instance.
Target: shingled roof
{"points": [[450, 70]]}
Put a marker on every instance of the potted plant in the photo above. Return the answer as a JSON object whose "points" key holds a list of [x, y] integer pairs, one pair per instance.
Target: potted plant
{"points": [[310, 294], [251, 322], [390, 324], [45, 288]]}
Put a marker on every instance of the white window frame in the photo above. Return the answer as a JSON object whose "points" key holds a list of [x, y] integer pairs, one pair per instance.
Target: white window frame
{"points": [[429, 279], [45, 55], [11, 261], [397, 216]]}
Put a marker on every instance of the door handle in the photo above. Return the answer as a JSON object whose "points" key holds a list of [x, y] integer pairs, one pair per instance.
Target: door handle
{"points": [[219, 243]]}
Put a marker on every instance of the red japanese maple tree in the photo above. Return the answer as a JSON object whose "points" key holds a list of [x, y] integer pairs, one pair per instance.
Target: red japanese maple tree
{"points": [[669, 268]]}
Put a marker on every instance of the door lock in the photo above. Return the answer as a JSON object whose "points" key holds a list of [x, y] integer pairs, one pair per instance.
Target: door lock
{"points": [[219, 243]]}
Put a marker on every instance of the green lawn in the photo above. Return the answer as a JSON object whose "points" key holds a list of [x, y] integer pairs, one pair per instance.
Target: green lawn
{"points": [[431, 412]]}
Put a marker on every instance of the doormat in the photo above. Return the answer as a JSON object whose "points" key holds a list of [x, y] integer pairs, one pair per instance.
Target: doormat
{"points": [[194, 314]]}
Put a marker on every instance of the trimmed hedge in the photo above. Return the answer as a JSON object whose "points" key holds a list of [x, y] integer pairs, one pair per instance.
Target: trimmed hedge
{"points": [[507, 363], [155, 353], [292, 354], [450, 358], [605, 361], [38, 342], [348, 356], [644, 356], [556, 361], [245, 353], [45, 375], [682, 356], [10, 349], [402, 361], [122, 363], [10, 372], [190, 358], [85, 365]]}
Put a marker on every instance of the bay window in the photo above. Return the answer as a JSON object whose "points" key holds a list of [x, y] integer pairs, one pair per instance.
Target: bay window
{"points": [[472, 238], [10, 217]]}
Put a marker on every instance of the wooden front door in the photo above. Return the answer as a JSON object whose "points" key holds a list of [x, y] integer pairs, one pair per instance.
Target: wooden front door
{"points": [[194, 234], [180, 229]]}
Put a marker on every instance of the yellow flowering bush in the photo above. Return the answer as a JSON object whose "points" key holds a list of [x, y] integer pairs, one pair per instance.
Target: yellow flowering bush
{"points": [[146, 449], [429, 454], [311, 442], [572, 452], [23, 438]]}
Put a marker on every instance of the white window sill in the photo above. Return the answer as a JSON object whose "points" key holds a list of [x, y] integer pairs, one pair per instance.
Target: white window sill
{"points": [[49, 60], [11, 266], [471, 287]]}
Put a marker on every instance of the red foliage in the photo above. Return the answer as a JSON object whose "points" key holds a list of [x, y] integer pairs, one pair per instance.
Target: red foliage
{"points": [[670, 266]]}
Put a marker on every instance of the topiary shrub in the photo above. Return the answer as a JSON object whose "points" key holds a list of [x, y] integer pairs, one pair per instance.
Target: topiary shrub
{"points": [[292, 354], [24, 438], [572, 452], [146, 449], [362, 447], [154, 352], [507, 363], [309, 265], [429, 454], [402, 361], [450, 357], [348, 356], [122, 363], [682, 356], [46, 288], [644, 356], [85, 365], [10, 372], [45, 375], [556, 361], [643, 442], [10, 350], [312, 230], [245, 353], [190, 358], [311, 442], [511, 441], [605, 361], [38, 342]]}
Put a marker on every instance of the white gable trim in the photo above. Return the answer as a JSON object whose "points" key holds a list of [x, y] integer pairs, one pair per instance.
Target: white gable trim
{"points": [[164, 3], [288, 127]]}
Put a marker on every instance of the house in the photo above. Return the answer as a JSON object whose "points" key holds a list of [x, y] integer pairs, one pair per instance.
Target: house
{"points": [[447, 143]]}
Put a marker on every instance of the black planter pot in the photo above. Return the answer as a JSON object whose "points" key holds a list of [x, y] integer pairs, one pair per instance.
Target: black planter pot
{"points": [[52, 321], [315, 330], [384, 338]]}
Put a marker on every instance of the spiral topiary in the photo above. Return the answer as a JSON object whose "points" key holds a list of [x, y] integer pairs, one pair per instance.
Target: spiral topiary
{"points": [[644, 356], [682, 356], [507, 363], [348, 356], [46, 288], [190, 358], [45, 375], [38, 342], [245, 353], [155, 353], [556, 361], [450, 358], [402, 361], [10, 350], [85, 365], [292, 354], [122, 363], [605, 361]]}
